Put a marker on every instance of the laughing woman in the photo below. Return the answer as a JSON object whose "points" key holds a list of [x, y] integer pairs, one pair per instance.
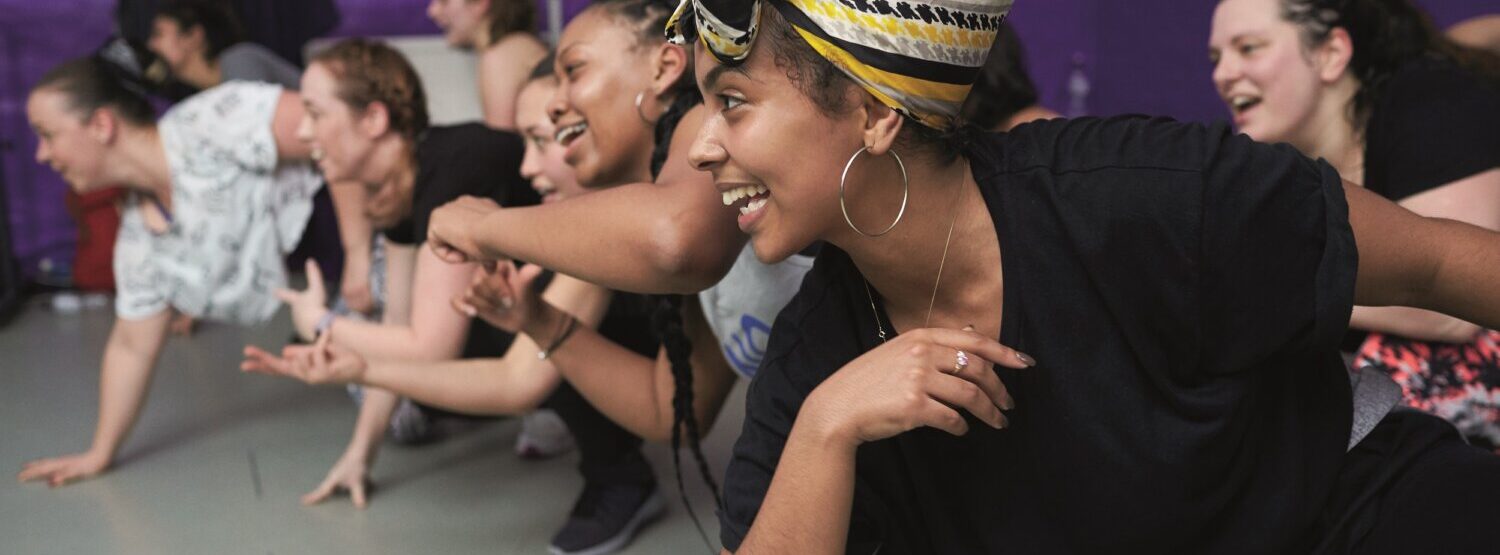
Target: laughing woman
{"points": [[1179, 291], [220, 191]]}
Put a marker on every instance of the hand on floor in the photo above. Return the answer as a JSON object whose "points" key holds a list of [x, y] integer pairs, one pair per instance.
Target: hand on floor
{"points": [[350, 474], [63, 470], [316, 364]]}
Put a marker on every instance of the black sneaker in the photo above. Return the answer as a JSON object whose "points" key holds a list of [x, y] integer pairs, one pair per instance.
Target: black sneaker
{"points": [[606, 517]]}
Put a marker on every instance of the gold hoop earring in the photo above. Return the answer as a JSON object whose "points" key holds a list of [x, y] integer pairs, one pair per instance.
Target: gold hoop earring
{"points": [[640, 97], [905, 193]]}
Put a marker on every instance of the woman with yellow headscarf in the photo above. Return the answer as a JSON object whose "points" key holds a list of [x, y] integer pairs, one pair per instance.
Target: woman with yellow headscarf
{"points": [[1168, 301]]}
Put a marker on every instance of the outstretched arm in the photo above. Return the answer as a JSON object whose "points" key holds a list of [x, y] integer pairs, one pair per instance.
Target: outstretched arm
{"points": [[1409, 260], [129, 358], [672, 236]]}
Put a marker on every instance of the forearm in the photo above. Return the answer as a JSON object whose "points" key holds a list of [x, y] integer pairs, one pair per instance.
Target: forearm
{"points": [[125, 378], [486, 386], [395, 342], [369, 427], [807, 507], [630, 238], [1464, 282], [355, 229], [1413, 323], [624, 385]]}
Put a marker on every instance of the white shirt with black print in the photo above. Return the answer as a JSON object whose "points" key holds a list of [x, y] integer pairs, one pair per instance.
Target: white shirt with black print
{"points": [[234, 213]]}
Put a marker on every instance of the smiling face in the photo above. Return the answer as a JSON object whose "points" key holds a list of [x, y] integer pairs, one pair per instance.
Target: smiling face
{"points": [[601, 67], [543, 164], [460, 20], [71, 145], [344, 144], [775, 154], [1261, 70]]}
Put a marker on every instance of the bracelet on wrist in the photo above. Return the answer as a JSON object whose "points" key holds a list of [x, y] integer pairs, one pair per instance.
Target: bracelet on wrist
{"points": [[323, 324], [568, 324]]}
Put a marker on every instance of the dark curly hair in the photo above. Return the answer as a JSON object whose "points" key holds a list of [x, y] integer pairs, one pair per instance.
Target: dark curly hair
{"points": [[221, 29], [369, 72], [1387, 34], [827, 86]]}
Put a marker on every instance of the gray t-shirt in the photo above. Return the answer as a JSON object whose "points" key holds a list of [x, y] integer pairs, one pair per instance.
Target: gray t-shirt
{"points": [[741, 307], [248, 61]]}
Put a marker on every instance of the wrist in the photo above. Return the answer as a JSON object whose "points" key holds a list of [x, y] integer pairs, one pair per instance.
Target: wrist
{"points": [[317, 323], [825, 429], [481, 241], [544, 324]]}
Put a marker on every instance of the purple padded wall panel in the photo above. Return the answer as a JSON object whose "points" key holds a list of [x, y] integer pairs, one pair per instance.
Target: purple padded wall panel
{"points": [[1144, 56]]}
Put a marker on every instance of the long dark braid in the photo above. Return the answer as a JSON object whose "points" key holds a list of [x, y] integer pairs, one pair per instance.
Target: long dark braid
{"points": [[649, 17], [668, 323]]}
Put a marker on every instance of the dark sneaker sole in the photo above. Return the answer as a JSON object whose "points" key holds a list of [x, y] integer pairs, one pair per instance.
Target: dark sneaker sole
{"points": [[652, 508]]}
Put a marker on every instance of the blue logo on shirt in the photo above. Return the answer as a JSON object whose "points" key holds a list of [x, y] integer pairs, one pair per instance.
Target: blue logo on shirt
{"points": [[747, 346]]}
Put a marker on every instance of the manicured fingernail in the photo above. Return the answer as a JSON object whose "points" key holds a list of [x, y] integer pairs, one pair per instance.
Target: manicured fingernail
{"points": [[470, 311], [1007, 403], [1025, 359], [506, 302], [1003, 423], [969, 327]]}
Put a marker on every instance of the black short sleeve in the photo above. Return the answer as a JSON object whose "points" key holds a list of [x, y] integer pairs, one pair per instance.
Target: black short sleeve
{"points": [[1278, 255], [823, 313], [463, 160], [1433, 125]]}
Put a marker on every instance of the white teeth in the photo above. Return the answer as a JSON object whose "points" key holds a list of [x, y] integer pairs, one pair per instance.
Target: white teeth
{"points": [[567, 134], [733, 195], [753, 205], [1242, 102]]}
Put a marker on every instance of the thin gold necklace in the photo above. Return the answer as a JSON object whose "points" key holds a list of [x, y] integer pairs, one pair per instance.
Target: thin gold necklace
{"points": [[879, 328]]}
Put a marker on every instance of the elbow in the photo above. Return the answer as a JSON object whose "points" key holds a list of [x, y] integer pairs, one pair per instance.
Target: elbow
{"points": [[688, 262], [1459, 331]]}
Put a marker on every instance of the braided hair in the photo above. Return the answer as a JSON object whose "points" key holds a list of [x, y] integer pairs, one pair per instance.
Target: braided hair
{"points": [[649, 17]]}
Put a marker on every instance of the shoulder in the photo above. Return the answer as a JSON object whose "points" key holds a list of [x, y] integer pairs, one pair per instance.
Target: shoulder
{"points": [[469, 143], [516, 52], [515, 44], [230, 100], [1092, 144]]}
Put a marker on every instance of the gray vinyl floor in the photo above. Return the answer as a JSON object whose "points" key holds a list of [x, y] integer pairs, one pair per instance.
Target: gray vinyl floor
{"points": [[218, 460]]}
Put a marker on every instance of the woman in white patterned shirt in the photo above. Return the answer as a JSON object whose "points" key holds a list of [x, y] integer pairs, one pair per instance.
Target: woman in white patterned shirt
{"points": [[220, 191]]}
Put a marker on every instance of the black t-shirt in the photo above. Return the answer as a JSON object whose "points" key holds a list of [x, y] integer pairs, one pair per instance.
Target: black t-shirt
{"points": [[1434, 124], [454, 161], [463, 160], [1184, 290]]}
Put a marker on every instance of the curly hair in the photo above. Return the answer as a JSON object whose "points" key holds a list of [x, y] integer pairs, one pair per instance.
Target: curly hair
{"points": [[370, 72], [1387, 34]]}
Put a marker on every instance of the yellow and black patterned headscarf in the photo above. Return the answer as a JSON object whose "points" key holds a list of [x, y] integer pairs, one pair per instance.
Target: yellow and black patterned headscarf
{"points": [[918, 57]]}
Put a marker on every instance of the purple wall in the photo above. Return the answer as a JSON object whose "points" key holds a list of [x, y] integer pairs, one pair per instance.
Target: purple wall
{"points": [[1143, 56]]}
